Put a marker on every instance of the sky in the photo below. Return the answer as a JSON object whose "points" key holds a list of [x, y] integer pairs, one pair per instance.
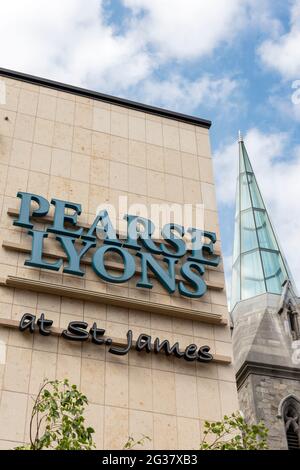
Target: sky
{"points": [[235, 62]]}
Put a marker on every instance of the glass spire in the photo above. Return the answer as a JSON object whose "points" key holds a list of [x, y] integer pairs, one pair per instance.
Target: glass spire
{"points": [[258, 264]]}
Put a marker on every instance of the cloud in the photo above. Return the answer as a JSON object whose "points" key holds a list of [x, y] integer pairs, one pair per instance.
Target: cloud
{"points": [[77, 42], [145, 53], [185, 95], [188, 29], [70, 41], [283, 52], [277, 170]]}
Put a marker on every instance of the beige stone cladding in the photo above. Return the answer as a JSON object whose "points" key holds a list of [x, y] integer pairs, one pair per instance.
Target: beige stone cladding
{"points": [[81, 149]]}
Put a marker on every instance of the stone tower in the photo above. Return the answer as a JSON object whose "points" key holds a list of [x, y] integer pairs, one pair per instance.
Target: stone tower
{"points": [[265, 318]]}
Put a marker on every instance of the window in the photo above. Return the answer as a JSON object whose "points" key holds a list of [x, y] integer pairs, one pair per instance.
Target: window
{"points": [[291, 417]]}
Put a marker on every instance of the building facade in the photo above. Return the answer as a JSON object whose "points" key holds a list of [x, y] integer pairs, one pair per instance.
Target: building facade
{"points": [[265, 316], [63, 152]]}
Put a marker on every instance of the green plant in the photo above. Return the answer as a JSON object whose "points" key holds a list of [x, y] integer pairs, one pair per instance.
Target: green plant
{"points": [[57, 420], [131, 443], [233, 433]]}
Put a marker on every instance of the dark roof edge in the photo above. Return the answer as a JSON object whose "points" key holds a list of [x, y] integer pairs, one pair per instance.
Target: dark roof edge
{"points": [[107, 98]]}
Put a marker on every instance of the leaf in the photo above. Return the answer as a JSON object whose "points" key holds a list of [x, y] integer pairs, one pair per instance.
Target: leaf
{"points": [[249, 437], [61, 406]]}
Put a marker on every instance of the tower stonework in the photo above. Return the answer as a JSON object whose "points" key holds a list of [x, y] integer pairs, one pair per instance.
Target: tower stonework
{"points": [[264, 312], [266, 364]]}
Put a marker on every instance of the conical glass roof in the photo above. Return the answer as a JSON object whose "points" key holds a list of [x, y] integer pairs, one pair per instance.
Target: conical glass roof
{"points": [[258, 264]]}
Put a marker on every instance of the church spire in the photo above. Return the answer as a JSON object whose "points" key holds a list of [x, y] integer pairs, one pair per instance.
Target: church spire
{"points": [[258, 263]]}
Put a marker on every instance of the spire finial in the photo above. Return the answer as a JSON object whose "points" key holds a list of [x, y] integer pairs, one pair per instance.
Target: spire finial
{"points": [[240, 137], [253, 274]]}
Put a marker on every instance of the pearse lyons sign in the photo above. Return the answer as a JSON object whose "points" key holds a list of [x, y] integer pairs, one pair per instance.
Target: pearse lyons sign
{"points": [[159, 258]]}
